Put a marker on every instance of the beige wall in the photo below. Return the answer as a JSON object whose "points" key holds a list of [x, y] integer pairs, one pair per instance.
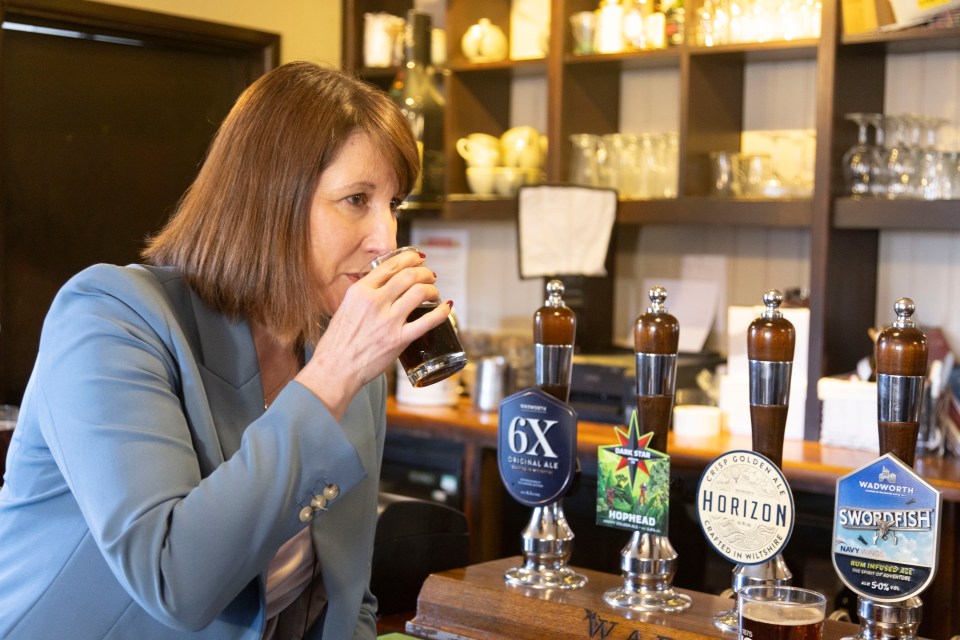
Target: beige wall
{"points": [[309, 29]]}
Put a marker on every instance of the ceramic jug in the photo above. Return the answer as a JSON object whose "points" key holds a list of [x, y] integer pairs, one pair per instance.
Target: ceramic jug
{"points": [[484, 42]]}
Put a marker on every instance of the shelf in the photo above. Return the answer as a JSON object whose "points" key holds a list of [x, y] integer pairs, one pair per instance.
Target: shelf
{"points": [[516, 68], [778, 51], [653, 59], [461, 206], [419, 211], [916, 40], [718, 212], [912, 215]]}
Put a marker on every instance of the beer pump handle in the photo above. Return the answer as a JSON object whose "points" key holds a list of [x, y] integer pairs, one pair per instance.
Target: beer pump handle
{"points": [[656, 337], [770, 344], [554, 334], [901, 358]]}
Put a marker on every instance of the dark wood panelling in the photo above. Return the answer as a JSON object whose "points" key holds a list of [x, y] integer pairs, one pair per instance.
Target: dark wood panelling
{"points": [[98, 148]]}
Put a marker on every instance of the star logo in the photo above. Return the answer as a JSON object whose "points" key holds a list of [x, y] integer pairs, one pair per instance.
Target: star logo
{"points": [[633, 450]]}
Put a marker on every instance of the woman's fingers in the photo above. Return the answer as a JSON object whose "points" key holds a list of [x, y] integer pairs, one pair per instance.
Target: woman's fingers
{"points": [[415, 328], [402, 277]]}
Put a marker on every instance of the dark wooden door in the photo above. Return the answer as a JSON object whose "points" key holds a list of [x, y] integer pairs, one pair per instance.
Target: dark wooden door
{"points": [[105, 119]]}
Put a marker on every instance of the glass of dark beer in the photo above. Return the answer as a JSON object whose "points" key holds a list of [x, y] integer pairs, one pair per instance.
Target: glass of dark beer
{"points": [[781, 613], [437, 354]]}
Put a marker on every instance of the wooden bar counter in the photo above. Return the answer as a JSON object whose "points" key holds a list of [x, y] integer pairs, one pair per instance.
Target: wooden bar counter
{"points": [[809, 467], [474, 602]]}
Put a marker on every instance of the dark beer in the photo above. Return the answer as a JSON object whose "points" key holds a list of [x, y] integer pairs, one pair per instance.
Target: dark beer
{"points": [[434, 356], [437, 354], [772, 621]]}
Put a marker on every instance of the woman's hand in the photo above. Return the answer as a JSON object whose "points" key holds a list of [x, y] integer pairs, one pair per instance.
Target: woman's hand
{"points": [[370, 329]]}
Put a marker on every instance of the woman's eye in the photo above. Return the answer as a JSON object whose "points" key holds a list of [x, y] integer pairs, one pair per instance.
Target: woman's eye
{"points": [[357, 199], [395, 204]]}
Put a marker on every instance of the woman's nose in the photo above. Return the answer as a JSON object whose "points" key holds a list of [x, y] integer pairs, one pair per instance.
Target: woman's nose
{"points": [[382, 234]]}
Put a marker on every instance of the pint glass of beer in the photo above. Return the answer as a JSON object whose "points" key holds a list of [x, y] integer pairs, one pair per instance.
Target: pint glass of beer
{"points": [[781, 613], [437, 354]]}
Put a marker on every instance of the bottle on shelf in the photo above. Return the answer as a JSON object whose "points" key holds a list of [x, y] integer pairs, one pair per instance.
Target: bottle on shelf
{"points": [[675, 22], [418, 94]]}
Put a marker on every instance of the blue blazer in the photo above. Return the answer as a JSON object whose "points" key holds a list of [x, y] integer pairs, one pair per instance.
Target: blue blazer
{"points": [[147, 489]]}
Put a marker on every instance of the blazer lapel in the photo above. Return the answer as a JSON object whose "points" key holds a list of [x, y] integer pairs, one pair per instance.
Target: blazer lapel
{"points": [[230, 375]]}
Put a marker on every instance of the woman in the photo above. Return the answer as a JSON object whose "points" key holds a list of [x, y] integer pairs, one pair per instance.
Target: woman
{"points": [[199, 445]]}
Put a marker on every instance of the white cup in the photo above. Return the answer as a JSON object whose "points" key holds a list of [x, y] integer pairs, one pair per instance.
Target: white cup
{"points": [[479, 150], [481, 180], [508, 180]]}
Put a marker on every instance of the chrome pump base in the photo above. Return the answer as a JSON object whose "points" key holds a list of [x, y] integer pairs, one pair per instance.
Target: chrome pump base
{"points": [[888, 620], [648, 564], [547, 546]]}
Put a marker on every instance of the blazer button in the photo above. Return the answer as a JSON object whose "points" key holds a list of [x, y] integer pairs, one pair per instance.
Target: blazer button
{"points": [[331, 491], [319, 502], [306, 514]]}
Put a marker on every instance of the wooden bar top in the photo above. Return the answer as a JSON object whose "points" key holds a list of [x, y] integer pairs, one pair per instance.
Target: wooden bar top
{"points": [[809, 466], [474, 602]]}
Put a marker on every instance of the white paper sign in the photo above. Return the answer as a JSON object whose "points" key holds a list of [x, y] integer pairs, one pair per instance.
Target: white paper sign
{"points": [[693, 303]]}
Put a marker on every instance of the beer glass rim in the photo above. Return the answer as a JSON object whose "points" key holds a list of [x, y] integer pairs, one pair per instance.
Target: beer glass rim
{"points": [[779, 595], [389, 254]]}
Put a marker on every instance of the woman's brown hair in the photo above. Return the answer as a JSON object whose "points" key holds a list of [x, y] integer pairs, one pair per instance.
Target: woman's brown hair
{"points": [[240, 234]]}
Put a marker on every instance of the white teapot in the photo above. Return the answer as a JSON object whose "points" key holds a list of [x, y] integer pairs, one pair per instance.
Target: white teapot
{"points": [[484, 42]]}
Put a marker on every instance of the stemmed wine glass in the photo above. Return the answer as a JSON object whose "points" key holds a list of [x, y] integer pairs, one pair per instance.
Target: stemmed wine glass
{"points": [[899, 159], [861, 162]]}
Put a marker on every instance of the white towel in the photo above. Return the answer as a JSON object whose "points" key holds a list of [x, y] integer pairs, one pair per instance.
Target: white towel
{"points": [[564, 230]]}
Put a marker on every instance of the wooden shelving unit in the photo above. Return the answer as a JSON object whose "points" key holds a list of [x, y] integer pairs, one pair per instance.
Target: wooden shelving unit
{"points": [[584, 95]]}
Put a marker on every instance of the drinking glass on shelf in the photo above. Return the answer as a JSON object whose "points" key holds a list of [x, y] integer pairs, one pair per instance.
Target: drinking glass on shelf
{"points": [[713, 23], [583, 25], [628, 182], [671, 164], [951, 187], [736, 21], [861, 162], [930, 169], [584, 169], [721, 163], [650, 168], [609, 160], [899, 161], [810, 12]]}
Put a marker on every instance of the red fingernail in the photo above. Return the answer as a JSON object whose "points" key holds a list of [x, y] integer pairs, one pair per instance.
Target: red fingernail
{"points": [[450, 303], [421, 254]]}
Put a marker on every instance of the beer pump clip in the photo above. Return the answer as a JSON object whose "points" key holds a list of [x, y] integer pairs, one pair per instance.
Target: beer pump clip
{"points": [[884, 509], [648, 562], [537, 447], [770, 344]]}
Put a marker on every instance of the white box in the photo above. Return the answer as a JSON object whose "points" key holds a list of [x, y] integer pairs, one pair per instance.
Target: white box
{"points": [[735, 404], [738, 323], [911, 12], [735, 386], [848, 413]]}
